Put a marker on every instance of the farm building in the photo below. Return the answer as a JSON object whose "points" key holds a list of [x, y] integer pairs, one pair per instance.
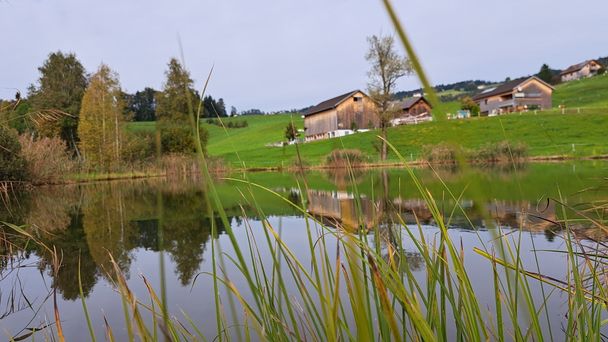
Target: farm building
{"points": [[339, 116], [517, 95], [581, 70], [412, 111]]}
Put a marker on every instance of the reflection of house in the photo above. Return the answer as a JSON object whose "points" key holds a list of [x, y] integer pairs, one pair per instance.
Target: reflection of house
{"points": [[517, 95], [340, 116], [412, 111], [340, 209], [581, 70]]}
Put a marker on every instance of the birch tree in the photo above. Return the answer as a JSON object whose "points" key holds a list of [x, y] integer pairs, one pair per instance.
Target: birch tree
{"points": [[101, 120]]}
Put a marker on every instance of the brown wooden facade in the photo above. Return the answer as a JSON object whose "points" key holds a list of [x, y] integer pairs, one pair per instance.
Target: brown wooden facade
{"points": [[344, 113], [412, 111], [515, 96]]}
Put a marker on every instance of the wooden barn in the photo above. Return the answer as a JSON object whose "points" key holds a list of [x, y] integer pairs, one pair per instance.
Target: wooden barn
{"points": [[412, 111], [339, 116], [514, 96]]}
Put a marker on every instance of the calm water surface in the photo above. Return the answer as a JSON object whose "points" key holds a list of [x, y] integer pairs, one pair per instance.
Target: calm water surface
{"points": [[87, 223]]}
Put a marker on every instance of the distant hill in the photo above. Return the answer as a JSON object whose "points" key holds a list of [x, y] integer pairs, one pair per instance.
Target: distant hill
{"points": [[449, 92], [456, 91]]}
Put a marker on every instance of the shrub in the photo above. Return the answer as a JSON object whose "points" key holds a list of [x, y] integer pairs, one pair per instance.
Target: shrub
{"points": [[178, 139], [139, 147], [229, 124], [439, 154], [343, 158], [500, 152], [13, 166]]}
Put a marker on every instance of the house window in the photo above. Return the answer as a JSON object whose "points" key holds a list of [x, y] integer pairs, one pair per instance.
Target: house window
{"points": [[357, 98]]}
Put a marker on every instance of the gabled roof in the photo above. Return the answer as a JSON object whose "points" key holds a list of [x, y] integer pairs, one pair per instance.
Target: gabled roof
{"points": [[577, 67], [331, 103], [409, 102], [508, 87]]}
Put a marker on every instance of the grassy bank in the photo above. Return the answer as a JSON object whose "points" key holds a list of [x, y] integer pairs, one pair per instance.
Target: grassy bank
{"points": [[545, 134]]}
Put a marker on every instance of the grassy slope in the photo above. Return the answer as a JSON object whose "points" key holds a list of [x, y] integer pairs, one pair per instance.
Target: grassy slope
{"points": [[547, 133], [592, 92]]}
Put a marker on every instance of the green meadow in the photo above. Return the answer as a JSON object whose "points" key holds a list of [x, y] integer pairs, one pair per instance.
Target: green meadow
{"points": [[580, 132]]}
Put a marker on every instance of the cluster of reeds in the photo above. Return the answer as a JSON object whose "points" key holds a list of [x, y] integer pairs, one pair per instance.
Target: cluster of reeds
{"points": [[345, 157], [47, 159], [499, 152]]}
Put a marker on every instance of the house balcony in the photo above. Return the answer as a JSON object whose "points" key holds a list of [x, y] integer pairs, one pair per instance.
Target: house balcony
{"points": [[506, 103]]}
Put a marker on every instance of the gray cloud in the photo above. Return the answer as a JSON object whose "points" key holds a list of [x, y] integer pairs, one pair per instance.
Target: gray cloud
{"points": [[273, 54]]}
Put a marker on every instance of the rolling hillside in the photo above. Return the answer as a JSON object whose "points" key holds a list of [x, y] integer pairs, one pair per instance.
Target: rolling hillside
{"points": [[547, 133], [587, 93]]}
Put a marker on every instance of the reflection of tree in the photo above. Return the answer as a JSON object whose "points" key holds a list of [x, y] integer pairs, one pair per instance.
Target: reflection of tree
{"points": [[70, 244], [344, 177], [186, 231], [107, 227], [51, 208]]}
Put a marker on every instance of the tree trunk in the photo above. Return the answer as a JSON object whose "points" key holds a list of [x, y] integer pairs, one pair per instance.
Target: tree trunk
{"points": [[384, 148]]}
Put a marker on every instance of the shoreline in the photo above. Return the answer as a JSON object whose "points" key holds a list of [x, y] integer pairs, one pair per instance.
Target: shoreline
{"points": [[92, 178]]}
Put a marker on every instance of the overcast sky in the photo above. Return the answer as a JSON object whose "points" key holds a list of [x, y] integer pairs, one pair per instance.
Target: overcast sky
{"points": [[280, 54]]}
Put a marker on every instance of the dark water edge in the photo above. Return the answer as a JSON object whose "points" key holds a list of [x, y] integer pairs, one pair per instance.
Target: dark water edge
{"points": [[88, 222]]}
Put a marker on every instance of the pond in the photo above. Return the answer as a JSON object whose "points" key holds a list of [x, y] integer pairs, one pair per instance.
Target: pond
{"points": [[160, 230]]}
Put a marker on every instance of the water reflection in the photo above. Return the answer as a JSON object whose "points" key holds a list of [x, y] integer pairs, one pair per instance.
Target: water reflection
{"points": [[88, 223]]}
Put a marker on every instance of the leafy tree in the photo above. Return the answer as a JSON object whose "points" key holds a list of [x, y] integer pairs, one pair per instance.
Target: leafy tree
{"points": [[12, 164], [101, 120], [143, 105], [14, 114], [173, 107], [545, 74], [467, 103], [291, 132], [387, 66], [58, 96], [233, 111]]}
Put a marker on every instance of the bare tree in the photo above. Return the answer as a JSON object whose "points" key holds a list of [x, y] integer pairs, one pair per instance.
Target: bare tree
{"points": [[387, 66]]}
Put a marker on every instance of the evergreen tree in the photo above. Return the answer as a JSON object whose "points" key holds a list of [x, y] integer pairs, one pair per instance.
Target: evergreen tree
{"points": [[233, 111], [291, 132], [101, 120], [221, 107], [173, 107], [545, 74], [58, 96], [143, 105]]}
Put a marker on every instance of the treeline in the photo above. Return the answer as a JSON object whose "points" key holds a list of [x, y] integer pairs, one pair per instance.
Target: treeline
{"points": [[141, 106], [466, 87], [82, 117]]}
